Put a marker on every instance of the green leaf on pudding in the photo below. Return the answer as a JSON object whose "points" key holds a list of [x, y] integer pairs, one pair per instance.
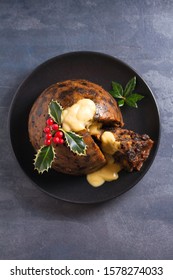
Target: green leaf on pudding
{"points": [[55, 111], [75, 142], [44, 158]]}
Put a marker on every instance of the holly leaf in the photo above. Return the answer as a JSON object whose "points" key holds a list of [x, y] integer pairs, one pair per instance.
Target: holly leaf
{"points": [[44, 158], [117, 90], [55, 111], [130, 87], [75, 142]]}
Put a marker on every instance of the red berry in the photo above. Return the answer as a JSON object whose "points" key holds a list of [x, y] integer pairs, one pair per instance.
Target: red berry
{"points": [[59, 134], [56, 140], [46, 129], [47, 142], [55, 126], [61, 141], [49, 121], [48, 136]]}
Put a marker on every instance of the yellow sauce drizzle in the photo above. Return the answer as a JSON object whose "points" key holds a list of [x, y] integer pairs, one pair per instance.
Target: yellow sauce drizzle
{"points": [[107, 173], [79, 115], [109, 143], [95, 128], [110, 171]]}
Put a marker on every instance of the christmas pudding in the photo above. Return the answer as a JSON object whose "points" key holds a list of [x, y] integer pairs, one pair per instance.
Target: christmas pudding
{"points": [[76, 128]]}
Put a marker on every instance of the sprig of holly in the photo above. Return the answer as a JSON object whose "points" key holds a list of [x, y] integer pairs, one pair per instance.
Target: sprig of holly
{"points": [[126, 96], [54, 133]]}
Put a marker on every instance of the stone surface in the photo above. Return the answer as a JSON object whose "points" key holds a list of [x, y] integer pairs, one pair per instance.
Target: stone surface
{"points": [[138, 224]]}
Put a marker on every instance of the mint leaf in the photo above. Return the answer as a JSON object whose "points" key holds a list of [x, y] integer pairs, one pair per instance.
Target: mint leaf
{"points": [[55, 111], [117, 90], [127, 96], [133, 98], [131, 103], [130, 87], [136, 96], [75, 142], [121, 102], [44, 158]]}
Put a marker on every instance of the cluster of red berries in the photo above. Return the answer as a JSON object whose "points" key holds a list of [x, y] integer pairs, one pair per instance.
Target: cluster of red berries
{"points": [[52, 133]]}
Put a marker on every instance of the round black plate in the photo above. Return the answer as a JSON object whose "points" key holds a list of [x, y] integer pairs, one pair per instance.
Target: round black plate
{"points": [[98, 68]]}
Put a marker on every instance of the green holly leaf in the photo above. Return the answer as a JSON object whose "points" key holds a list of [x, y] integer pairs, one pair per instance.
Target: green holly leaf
{"points": [[130, 87], [44, 158], [75, 142], [55, 111], [117, 90]]}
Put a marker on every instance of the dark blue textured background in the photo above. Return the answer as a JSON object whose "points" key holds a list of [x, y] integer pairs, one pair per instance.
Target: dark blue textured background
{"points": [[137, 225]]}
